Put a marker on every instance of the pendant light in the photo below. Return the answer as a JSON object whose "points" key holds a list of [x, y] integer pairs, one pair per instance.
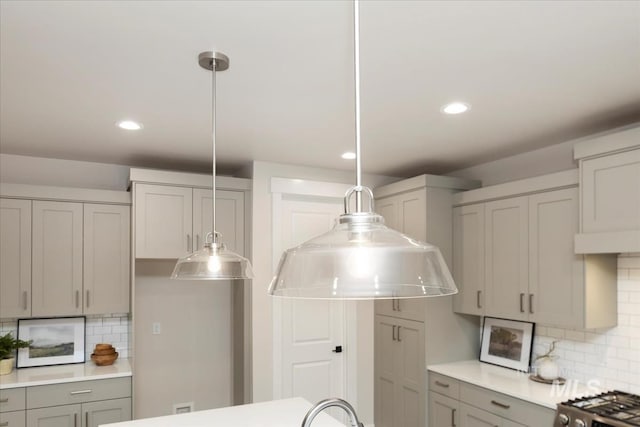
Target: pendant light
{"points": [[361, 258], [214, 261]]}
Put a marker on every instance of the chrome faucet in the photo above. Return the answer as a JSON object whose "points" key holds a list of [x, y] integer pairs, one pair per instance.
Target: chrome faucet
{"points": [[327, 403]]}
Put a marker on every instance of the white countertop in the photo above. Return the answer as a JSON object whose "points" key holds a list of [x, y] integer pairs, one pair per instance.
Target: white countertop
{"points": [[512, 383], [276, 413], [26, 377]]}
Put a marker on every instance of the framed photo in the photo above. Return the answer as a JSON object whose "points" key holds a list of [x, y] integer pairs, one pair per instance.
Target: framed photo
{"points": [[507, 343], [56, 341]]}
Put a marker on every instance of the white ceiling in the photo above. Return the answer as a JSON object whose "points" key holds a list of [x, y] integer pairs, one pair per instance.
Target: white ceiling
{"points": [[536, 73]]}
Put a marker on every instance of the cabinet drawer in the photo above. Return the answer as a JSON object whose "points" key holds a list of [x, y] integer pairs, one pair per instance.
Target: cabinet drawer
{"points": [[444, 385], [503, 405], [13, 419], [12, 399], [78, 392]]}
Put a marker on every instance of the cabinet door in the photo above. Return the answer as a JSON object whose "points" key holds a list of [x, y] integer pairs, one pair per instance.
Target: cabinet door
{"points": [[106, 412], [386, 379], [556, 291], [410, 368], [474, 417], [15, 258], [507, 258], [442, 410], [163, 221], [610, 188], [55, 416], [229, 217], [106, 258], [388, 208], [13, 419], [469, 258], [412, 214], [57, 258]]}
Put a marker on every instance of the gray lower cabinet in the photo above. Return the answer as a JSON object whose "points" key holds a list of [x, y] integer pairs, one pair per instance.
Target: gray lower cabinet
{"points": [[76, 404], [90, 414], [454, 403]]}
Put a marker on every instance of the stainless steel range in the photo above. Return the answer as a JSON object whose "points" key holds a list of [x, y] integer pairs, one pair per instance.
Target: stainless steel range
{"points": [[611, 409]]}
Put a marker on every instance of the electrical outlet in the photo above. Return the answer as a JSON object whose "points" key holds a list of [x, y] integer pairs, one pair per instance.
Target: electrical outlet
{"points": [[182, 408], [155, 328]]}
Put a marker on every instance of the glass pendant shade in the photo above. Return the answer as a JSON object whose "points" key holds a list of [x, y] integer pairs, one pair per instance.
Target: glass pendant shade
{"points": [[361, 258], [213, 262]]}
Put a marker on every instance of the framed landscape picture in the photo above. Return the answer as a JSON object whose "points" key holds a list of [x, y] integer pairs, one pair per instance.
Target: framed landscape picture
{"points": [[54, 341], [507, 343]]}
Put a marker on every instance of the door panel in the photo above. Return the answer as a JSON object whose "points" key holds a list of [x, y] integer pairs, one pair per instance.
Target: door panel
{"points": [[163, 221], [106, 258], [15, 258], [310, 329], [474, 417], [507, 247], [469, 259], [229, 218], [106, 412], [57, 258], [55, 416], [555, 286], [442, 410]]}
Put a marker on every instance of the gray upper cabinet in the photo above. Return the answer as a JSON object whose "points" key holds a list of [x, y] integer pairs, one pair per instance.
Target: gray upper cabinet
{"points": [[172, 221], [57, 258], [506, 260], [164, 221], [468, 258], [15, 258], [106, 258], [609, 193], [64, 258], [531, 271]]}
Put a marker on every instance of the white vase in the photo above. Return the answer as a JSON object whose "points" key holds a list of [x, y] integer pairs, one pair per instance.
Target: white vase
{"points": [[548, 369], [6, 366]]}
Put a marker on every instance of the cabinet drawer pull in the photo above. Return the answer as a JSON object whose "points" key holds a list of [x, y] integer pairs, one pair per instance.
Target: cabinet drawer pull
{"points": [[75, 420], [453, 418], [501, 405], [398, 303], [531, 303], [24, 300], [399, 333], [4, 400], [393, 333], [86, 419], [478, 299], [445, 385], [522, 303], [197, 241], [88, 298], [393, 304], [77, 299], [81, 392]]}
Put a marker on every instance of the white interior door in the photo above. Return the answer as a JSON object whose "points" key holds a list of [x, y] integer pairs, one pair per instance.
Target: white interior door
{"points": [[308, 331]]}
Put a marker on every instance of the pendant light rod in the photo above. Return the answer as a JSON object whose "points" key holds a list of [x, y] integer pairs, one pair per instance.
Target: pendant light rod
{"points": [[213, 136], [356, 50], [213, 61]]}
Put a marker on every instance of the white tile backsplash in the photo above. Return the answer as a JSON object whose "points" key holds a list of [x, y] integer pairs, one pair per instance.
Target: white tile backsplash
{"points": [[114, 329], [610, 356]]}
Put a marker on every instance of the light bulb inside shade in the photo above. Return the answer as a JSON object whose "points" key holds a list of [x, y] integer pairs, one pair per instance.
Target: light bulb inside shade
{"points": [[349, 155], [129, 125], [214, 265], [455, 108]]}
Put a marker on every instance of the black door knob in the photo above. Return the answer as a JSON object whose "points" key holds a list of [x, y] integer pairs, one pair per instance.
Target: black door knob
{"points": [[338, 349]]}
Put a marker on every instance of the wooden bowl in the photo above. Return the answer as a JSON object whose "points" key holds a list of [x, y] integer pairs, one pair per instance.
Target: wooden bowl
{"points": [[104, 360], [103, 346], [104, 352]]}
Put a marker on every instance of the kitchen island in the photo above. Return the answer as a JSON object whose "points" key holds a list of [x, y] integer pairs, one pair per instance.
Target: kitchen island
{"points": [[276, 413]]}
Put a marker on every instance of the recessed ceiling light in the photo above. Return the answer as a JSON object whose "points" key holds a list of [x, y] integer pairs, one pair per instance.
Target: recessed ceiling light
{"points": [[455, 108], [129, 125], [349, 155]]}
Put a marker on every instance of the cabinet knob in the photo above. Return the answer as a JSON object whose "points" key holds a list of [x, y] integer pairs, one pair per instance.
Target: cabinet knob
{"points": [[522, 303]]}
